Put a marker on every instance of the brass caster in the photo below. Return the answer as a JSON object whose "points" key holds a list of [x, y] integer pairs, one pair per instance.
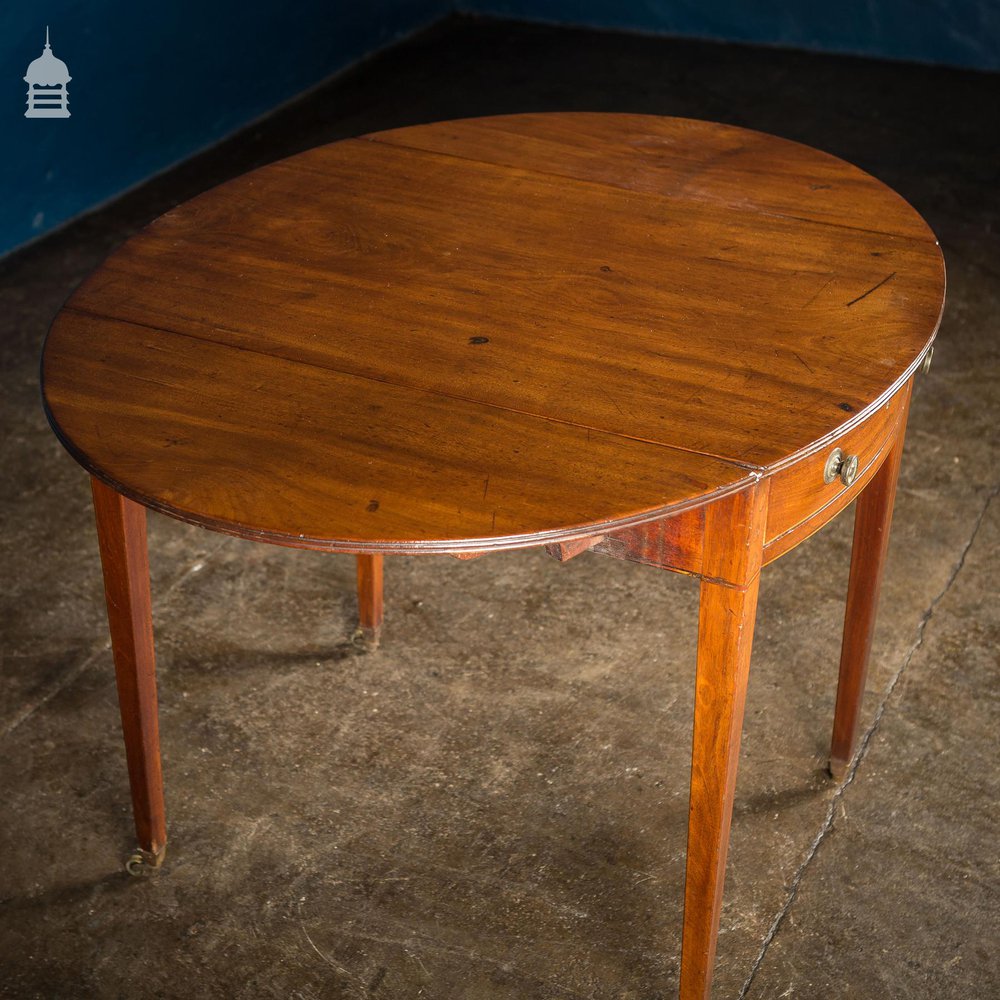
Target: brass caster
{"points": [[366, 639], [142, 862]]}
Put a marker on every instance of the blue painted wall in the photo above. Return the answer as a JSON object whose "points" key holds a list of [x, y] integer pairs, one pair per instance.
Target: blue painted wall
{"points": [[952, 32], [154, 83]]}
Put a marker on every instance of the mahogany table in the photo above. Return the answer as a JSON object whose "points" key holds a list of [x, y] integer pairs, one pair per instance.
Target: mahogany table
{"points": [[675, 342]]}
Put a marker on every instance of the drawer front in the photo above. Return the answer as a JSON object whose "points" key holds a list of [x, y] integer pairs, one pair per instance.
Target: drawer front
{"points": [[801, 501]]}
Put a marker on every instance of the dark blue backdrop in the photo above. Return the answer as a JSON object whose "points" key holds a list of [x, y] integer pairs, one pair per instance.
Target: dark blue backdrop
{"points": [[952, 32], [154, 83]]}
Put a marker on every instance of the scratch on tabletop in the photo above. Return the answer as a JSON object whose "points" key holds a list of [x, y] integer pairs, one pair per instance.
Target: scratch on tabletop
{"points": [[613, 401], [874, 288], [825, 286], [804, 363]]}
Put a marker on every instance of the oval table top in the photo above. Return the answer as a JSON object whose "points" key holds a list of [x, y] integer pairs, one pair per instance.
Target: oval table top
{"points": [[493, 332]]}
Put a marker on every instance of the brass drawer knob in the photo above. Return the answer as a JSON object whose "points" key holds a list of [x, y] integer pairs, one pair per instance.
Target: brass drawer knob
{"points": [[839, 465]]}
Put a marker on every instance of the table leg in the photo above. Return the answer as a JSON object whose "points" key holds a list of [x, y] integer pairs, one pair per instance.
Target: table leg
{"points": [[369, 599], [121, 534], [734, 534], [872, 518]]}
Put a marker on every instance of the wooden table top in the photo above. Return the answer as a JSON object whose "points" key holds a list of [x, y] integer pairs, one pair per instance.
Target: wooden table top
{"points": [[492, 332]]}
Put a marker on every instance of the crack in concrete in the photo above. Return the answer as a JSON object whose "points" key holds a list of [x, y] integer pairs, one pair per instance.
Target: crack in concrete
{"points": [[830, 818], [67, 677]]}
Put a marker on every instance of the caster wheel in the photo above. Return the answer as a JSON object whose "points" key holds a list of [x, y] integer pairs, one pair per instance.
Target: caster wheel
{"points": [[366, 640], [142, 862]]}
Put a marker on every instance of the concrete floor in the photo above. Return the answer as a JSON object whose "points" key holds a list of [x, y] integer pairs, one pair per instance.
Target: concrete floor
{"points": [[493, 804]]}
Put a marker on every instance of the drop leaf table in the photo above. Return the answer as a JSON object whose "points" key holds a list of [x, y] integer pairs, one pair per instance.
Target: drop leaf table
{"points": [[674, 342]]}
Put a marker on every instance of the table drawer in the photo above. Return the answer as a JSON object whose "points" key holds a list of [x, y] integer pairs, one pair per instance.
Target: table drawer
{"points": [[801, 500]]}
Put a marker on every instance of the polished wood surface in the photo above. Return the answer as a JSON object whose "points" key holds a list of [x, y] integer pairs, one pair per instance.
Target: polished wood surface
{"points": [[733, 558], [286, 452], [370, 600], [492, 332], [724, 165], [636, 336], [121, 532], [872, 519], [802, 502]]}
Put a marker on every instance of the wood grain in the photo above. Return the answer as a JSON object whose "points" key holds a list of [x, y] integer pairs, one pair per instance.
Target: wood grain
{"points": [[290, 453], [872, 520], [799, 491], [698, 287], [121, 533], [674, 543], [564, 551], [734, 544], [733, 167], [370, 604], [525, 317]]}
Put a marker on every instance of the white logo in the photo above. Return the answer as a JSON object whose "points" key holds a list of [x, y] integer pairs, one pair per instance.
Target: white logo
{"points": [[46, 79]]}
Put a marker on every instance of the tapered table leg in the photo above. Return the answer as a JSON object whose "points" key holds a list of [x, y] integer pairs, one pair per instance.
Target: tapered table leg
{"points": [[734, 535], [872, 519], [121, 533], [369, 599]]}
